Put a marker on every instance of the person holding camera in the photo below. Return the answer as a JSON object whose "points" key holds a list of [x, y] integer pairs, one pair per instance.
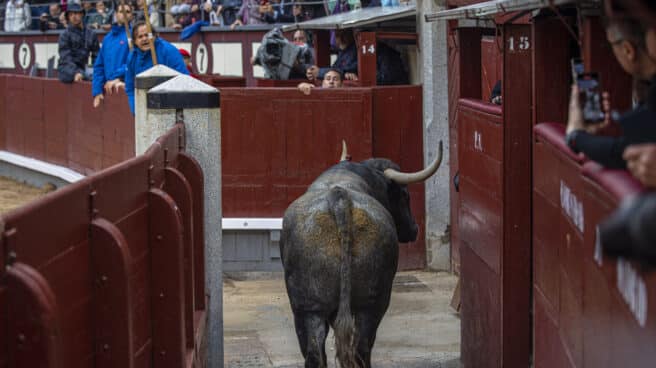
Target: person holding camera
{"points": [[50, 20], [627, 39]]}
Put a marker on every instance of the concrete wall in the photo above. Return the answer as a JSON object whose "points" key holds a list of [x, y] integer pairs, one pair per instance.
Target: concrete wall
{"points": [[433, 56]]}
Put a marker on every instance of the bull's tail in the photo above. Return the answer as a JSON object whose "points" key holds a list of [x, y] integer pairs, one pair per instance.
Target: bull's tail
{"points": [[345, 331]]}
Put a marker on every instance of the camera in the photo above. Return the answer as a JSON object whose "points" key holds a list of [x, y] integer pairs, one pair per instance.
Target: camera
{"points": [[589, 96]]}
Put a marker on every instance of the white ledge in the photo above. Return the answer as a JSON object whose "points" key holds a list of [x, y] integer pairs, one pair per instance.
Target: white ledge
{"points": [[61, 172], [251, 223]]}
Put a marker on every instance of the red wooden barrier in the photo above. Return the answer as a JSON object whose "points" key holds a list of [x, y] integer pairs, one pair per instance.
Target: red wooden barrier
{"points": [[590, 311], [110, 279], [55, 122]]}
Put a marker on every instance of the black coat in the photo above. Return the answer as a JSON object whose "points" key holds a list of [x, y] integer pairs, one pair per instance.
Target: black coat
{"points": [[75, 45]]}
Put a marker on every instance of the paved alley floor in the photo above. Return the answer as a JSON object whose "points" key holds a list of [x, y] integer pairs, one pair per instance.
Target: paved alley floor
{"points": [[420, 330]]}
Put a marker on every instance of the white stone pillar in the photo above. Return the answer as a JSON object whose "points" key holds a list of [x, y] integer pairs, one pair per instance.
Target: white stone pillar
{"points": [[149, 125], [197, 104], [434, 57]]}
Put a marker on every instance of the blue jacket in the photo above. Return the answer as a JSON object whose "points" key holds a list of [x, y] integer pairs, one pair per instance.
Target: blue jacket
{"points": [[110, 63], [140, 61]]}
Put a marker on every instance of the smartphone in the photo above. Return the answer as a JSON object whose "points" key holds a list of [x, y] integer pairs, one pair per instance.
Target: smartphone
{"points": [[577, 68], [590, 97]]}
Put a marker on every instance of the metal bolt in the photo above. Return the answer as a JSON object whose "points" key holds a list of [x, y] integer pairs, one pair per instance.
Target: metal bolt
{"points": [[161, 295], [162, 353], [21, 338], [106, 347], [11, 257], [103, 278], [159, 237]]}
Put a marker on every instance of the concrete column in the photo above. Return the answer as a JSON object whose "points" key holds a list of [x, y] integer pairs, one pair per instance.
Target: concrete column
{"points": [[434, 60], [149, 125], [197, 104]]}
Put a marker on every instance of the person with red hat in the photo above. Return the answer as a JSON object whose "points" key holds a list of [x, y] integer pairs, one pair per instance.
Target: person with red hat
{"points": [[186, 56]]}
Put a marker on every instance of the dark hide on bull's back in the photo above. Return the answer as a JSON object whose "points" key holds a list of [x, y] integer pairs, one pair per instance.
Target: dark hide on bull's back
{"points": [[339, 249]]}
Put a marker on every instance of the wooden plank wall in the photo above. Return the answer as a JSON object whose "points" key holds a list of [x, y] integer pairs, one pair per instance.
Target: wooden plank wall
{"points": [[272, 153], [590, 310], [108, 279], [56, 123], [398, 135]]}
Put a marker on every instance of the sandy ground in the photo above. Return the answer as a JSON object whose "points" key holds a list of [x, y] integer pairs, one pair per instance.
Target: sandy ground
{"points": [[420, 330], [14, 194]]}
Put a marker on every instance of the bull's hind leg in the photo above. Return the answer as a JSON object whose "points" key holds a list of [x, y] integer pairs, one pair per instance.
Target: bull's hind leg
{"points": [[367, 325], [312, 330]]}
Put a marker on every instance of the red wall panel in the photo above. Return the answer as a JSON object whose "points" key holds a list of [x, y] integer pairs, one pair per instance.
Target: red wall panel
{"points": [[271, 153], [55, 122], [398, 135]]}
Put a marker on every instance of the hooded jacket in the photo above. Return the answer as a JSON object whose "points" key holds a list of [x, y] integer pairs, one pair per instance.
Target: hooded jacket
{"points": [[110, 63], [18, 16], [75, 45], [139, 61]]}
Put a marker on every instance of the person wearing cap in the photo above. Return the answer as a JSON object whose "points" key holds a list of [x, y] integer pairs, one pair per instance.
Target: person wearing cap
{"points": [[140, 59], [109, 67], [76, 44], [186, 57]]}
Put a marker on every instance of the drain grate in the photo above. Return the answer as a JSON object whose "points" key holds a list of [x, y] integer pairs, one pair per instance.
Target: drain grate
{"points": [[409, 284], [243, 349]]}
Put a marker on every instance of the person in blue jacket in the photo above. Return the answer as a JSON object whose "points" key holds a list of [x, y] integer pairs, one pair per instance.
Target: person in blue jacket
{"points": [[140, 59], [109, 67]]}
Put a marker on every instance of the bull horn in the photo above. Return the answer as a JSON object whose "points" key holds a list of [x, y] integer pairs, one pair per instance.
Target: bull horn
{"points": [[409, 178], [344, 152]]}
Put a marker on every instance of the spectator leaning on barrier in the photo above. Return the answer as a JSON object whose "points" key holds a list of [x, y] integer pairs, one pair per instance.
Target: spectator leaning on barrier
{"points": [[109, 68], [627, 39], [18, 16], [140, 59], [332, 79], [76, 45]]}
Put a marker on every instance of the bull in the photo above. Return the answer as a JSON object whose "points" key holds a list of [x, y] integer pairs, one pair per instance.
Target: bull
{"points": [[339, 250]]}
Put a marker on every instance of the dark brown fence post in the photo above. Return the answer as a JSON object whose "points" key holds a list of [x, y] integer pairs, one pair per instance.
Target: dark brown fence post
{"points": [[167, 280], [111, 260], [33, 332], [186, 99]]}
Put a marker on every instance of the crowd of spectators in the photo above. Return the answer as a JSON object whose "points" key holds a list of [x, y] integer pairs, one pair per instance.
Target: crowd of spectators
{"points": [[22, 15]]}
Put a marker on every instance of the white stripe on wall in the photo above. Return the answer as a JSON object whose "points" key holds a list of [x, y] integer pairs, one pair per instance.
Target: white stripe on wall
{"points": [[258, 71], [45, 51], [227, 58], [7, 56]]}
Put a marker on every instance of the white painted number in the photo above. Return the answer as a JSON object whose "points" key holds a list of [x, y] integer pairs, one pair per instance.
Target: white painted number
{"points": [[523, 43], [201, 58], [24, 56], [478, 144], [371, 49]]}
